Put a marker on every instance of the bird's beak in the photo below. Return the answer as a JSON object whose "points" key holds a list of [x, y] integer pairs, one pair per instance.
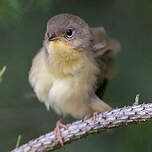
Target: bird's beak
{"points": [[52, 37]]}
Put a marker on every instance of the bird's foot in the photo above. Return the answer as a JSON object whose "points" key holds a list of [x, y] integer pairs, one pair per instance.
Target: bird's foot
{"points": [[89, 115], [86, 117], [57, 131], [95, 116]]}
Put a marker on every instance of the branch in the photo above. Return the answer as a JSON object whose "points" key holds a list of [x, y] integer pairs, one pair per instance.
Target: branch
{"points": [[79, 129]]}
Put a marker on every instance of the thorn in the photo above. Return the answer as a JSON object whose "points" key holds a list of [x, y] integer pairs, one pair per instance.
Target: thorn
{"points": [[136, 100]]}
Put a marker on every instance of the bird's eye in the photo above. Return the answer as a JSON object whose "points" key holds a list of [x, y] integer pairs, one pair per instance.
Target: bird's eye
{"points": [[69, 33]]}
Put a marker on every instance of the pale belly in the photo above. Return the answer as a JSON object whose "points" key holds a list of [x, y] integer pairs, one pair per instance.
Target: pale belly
{"points": [[66, 98], [67, 95]]}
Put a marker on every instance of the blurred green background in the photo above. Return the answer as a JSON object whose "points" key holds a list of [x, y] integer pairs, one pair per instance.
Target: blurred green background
{"points": [[22, 27]]}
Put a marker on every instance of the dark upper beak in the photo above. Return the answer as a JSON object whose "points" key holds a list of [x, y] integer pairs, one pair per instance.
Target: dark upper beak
{"points": [[51, 37]]}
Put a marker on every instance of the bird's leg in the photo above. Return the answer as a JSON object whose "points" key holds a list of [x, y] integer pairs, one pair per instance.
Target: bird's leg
{"points": [[86, 117], [94, 116], [57, 131]]}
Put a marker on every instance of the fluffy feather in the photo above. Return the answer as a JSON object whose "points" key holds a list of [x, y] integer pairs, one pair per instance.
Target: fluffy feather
{"points": [[62, 82], [68, 70]]}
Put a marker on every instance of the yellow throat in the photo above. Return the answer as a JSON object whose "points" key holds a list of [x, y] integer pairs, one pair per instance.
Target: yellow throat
{"points": [[63, 49], [64, 58]]}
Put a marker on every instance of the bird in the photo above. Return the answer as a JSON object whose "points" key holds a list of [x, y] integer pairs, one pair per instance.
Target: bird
{"points": [[71, 71]]}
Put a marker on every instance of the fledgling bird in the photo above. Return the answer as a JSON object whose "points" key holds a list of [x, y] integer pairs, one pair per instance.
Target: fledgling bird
{"points": [[70, 72]]}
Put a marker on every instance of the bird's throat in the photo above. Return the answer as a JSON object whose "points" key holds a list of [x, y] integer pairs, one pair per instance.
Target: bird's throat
{"points": [[63, 49], [63, 57]]}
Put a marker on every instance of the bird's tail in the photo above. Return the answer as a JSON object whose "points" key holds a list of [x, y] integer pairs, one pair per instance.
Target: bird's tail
{"points": [[98, 105]]}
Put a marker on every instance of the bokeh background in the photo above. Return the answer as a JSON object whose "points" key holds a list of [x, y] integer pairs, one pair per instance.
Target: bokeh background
{"points": [[22, 27]]}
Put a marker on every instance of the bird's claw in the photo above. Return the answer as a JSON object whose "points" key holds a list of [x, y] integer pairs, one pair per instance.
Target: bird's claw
{"points": [[95, 116], [57, 131]]}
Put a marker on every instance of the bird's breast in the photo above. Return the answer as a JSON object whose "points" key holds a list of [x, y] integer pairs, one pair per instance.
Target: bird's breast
{"points": [[63, 59], [65, 88], [68, 96]]}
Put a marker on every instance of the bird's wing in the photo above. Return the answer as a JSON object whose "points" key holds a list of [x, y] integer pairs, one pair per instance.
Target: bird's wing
{"points": [[40, 78], [104, 50]]}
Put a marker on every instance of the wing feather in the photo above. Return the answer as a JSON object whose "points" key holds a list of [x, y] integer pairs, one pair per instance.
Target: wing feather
{"points": [[104, 50]]}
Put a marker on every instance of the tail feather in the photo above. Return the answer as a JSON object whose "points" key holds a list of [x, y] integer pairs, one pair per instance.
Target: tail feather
{"points": [[98, 105]]}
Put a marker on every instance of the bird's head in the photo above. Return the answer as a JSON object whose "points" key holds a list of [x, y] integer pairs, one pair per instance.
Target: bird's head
{"points": [[66, 33]]}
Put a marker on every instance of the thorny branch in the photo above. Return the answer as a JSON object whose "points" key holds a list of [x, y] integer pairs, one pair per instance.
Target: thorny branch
{"points": [[79, 129]]}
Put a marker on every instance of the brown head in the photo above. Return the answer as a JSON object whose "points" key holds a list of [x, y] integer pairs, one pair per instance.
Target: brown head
{"points": [[70, 29], [67, 41]]}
